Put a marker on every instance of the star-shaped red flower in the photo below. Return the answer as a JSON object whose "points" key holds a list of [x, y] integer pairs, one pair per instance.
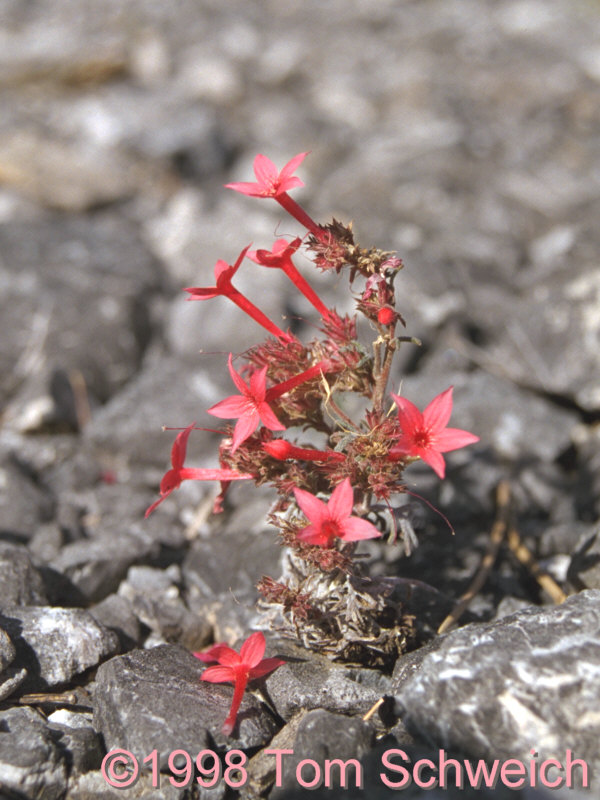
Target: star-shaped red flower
{"points": [[224, 273], [425, 435], [269, 182], [250, 407], [333, 519], [173, 478], [238, 668]]}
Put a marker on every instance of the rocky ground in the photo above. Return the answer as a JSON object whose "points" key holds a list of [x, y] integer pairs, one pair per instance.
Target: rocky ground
{"points": [[461, 133]]}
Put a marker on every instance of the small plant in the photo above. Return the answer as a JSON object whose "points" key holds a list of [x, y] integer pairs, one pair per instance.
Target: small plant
{"points": [[328, 497]]}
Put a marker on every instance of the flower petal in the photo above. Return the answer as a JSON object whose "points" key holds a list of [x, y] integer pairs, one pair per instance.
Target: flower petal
{"points": [[199, 293], [218, 674], [239, 382], [211, 653], [341, 501], [453, 438], [286, 184], [266, 665], [291, 166], [228, 657], [435, 461], [249, 188], [180, 446], [313, 508], [409, 416], [265, 171], [231, 407], [253, 649], [355, 529], [313, 534], [156, 503], [268, 418], [244, 427], [258, 384], [223, 271], [437, 414], [405, 444]]}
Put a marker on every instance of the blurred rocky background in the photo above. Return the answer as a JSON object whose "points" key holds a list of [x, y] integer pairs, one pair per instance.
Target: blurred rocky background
{"points": [[465, 134]]}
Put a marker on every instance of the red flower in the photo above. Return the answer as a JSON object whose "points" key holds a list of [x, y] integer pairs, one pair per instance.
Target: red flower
{"points": [[238, 668], [334, 518], [224, 272], [172, 478], [269, 182], [281, 256], [250, 407], [425, 435]]}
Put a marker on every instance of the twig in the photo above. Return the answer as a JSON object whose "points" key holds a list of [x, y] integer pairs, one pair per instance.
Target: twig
{"points": [[497, 534], [525, 556], [373, 709], [83, 413]]}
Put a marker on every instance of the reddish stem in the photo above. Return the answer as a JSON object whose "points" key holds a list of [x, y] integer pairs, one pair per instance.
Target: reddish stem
{"points": [[302, 285], [256, 314], [281, 388], [296, 211], [283, 450], [241, 681]]}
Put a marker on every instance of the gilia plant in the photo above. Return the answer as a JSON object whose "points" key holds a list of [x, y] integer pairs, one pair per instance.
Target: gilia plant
{"points": [[327, 496]]}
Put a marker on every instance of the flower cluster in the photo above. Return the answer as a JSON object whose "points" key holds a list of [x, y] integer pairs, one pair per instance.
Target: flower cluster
{"points": [[326, 492]]}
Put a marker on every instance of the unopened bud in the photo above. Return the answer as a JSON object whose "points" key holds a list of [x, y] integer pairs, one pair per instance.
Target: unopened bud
{"points": [[386, 316]]}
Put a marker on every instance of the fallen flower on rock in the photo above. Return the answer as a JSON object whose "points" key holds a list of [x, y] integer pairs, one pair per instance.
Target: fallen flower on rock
{"points": [[239, 669]]}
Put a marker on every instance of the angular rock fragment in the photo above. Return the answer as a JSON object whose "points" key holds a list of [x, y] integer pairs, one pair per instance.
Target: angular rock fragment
{"points": [[55, 644], [527, 682]]}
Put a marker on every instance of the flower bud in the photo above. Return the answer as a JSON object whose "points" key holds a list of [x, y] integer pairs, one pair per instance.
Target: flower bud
{"points": [[386, 316]]}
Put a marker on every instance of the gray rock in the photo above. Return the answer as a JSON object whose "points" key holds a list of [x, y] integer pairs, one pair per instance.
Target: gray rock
{"points": [[11, 677], [50, 270], [155, 598], [587, 444], [310, 681], [7, 651], [323, 736], [564, 330], [96, 566], [230, 614], [62, 177], [21, 583], [235, 557], [167, 391], [93, 786], [116, 614], [584, 569], [31, 762], [10, 680], [493, 690], [154, 698], [77, 739], [24, 504], [56, 644]]}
